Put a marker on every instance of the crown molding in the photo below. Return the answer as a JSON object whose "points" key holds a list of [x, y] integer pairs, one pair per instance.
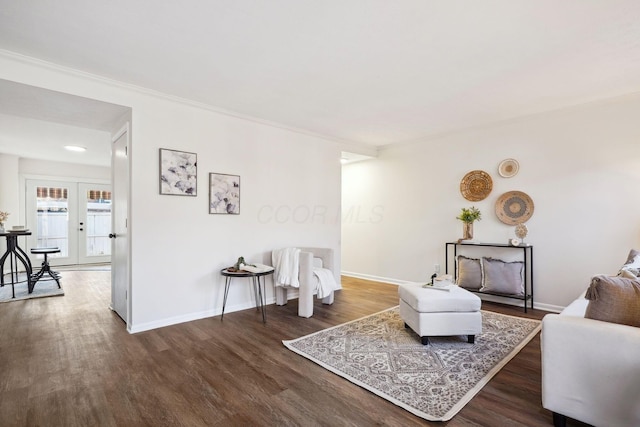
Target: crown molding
{"points": [[95, 78]]}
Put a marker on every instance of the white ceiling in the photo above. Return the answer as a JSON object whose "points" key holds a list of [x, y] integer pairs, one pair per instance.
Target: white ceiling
{"points": [[370, 72], [38, 123], [42, 104]]}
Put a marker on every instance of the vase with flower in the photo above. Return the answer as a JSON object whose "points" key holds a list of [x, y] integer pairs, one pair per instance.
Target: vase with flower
{"points": [[3, 218], [468, 216]]}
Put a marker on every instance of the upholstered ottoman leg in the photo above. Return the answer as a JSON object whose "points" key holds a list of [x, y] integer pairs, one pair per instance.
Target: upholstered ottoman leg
{"points": [[471, 339], [559, 420], [424, 340]]}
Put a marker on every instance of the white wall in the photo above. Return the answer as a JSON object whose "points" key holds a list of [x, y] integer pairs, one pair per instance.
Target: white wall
{"points": [[580, 166], [9, 190], [49, 169], [178, 248], [9, 193], [279, 170]]}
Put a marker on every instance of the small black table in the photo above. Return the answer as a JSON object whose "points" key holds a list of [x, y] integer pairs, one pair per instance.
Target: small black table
{"points": [[15, 254], [258, 291]]}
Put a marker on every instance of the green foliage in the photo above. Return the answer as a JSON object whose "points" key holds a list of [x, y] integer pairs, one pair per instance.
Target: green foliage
{"points": [[241, 262], [470, 214]]}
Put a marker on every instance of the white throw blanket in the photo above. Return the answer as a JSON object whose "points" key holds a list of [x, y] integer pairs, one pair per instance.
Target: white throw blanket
{"points": [[285, 261], [326, 282]]}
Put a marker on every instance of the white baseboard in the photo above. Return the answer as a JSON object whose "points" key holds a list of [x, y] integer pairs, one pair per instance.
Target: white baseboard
{"points": [[374, 278], [548, 307], [193, 316], [493, 298], [291, 294]]}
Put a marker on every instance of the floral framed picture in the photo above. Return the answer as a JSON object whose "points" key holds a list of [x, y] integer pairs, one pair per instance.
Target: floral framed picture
{"points": [[224, 194], [178, 173]]}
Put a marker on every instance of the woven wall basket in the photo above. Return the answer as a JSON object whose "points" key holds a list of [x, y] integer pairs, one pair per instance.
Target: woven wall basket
{"points": [[514, 207], [476, 185]]}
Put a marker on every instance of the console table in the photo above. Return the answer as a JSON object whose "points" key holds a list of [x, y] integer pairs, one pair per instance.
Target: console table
{"points": [[527, 254]]}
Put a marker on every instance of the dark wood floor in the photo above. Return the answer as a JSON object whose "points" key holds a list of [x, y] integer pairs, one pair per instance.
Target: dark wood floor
{"points": [[68, 361]]}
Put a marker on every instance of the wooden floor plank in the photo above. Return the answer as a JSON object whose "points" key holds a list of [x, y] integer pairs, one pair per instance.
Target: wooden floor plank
{"points": [[69, 361]]}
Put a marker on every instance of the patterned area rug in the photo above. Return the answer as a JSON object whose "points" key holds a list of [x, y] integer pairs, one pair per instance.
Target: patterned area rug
{"points": [[433, 382], [43, 288]]}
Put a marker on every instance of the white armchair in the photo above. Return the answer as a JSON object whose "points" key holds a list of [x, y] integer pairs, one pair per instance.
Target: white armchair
{"points": [[590, 369], [309, 258]]}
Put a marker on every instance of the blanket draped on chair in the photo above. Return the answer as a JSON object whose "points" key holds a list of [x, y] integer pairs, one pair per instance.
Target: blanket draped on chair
{"points": [[326, 282], [286, 264]]}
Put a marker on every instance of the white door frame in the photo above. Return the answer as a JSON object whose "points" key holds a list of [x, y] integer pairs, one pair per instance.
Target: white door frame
{"points": [[73, 212]]}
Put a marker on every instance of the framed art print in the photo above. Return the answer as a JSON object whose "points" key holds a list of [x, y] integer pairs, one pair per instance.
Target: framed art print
{"points": [[224, 194], [178, 173]]}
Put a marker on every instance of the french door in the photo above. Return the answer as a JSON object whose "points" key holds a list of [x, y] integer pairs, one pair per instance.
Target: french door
{"points": [[73, 216]]}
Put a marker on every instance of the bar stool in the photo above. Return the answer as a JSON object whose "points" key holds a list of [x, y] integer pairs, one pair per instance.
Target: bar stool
{"points": [[45, 265]]}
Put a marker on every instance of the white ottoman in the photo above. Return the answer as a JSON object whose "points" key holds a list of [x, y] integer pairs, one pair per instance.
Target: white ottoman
{"points": [[434, 312]]}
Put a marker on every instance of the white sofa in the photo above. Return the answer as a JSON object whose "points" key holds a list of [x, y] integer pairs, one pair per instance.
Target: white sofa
{"points": [[590, 369], [309, 258]]}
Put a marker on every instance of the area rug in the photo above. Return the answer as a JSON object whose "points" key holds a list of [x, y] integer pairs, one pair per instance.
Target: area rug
{"points": [[433, 382], [43, 288]]}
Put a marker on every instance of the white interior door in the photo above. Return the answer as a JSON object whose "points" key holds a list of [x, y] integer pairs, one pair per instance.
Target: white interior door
{"points": [[119, 234], [73, 216]]}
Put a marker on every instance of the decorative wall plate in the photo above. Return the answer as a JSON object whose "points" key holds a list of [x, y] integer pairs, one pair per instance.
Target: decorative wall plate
{"points": [[508, 168], [476, 185], [514, 207], [521, 231]]}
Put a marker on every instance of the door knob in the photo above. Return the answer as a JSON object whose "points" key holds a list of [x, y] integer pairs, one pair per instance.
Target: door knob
{"points": [[112, 236]]}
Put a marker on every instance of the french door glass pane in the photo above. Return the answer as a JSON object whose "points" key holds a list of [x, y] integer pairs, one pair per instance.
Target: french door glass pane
{"points": [[53, 219], [98, 224]]}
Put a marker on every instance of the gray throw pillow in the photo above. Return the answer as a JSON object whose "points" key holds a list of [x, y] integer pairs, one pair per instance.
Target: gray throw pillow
{"points": [[469, 272], [614, 299], [503, 277]]}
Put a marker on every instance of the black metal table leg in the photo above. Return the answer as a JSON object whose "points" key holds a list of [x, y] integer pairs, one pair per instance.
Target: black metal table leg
{"points": [[261, 294], [15, 254], [256, 288], [227, 282], [27, 265], [2, 260]]}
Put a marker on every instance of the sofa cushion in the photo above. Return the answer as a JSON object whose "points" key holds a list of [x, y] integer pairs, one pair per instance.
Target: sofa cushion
{"points": [[502, 276], [631, 267], [469, 272], [614, 299]]}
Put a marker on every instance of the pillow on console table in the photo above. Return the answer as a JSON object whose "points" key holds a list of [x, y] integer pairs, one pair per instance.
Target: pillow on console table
{"points": [[614, 299], [469, 272], [631, 268], [503, 277]]}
